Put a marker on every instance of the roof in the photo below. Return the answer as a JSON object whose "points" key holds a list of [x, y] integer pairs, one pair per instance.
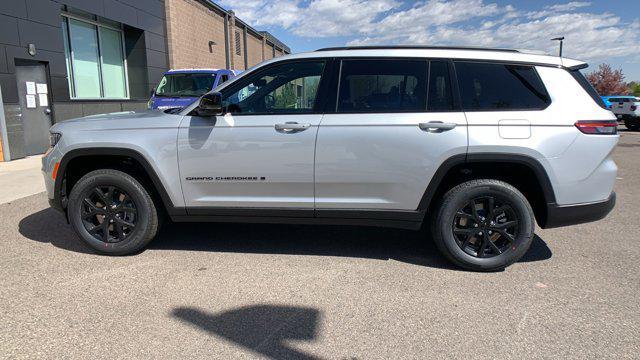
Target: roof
{"points": [[415, 47], [176, 71], [463, 53]]}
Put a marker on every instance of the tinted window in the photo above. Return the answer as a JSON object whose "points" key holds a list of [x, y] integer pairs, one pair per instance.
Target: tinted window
{"points": [[439, 97], [285, 88], [500, 87], [382, 85], [223, 79]]}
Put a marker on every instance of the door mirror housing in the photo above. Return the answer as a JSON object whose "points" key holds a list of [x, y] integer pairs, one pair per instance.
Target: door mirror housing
{"points": [[210, 104]]}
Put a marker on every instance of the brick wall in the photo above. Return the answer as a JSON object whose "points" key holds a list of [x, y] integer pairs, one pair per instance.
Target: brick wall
{"points": [[254, 46], [190, 27], [267, 51], [238, 53]]}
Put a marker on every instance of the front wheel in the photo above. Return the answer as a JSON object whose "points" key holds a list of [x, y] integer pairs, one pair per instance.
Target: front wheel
{"points": [[484, 225], [112, 212]]}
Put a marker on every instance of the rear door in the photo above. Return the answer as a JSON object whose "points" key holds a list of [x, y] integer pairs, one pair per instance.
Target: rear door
{"points": [[260, 153], [392, 124]]}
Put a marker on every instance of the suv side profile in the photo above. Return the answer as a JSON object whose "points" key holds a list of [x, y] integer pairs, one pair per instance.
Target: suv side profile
{"points": [[477, 144]]}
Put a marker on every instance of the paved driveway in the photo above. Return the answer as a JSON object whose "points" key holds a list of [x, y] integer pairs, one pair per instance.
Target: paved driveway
{"points": [[282, 292]]}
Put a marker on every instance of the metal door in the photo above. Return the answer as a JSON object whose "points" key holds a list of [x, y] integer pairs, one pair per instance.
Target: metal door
{"points": [[33, 91]]}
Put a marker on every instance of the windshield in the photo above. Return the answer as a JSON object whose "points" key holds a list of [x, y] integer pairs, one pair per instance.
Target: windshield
{"points": [[185, 85]]}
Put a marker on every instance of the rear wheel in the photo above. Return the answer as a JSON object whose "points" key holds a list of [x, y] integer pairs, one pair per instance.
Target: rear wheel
{"points": [[484, 225], [112, 212]]}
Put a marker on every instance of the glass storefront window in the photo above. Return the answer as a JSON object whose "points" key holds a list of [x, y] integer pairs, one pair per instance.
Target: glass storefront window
{"points": [[95, 60], [113, 74]]}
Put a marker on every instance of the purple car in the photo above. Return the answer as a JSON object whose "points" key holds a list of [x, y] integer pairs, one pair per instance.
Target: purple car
{"points": [[181, 87]]}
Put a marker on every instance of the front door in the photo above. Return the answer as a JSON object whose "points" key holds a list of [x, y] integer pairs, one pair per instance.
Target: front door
{"points": [[260, 153], [33, 91]]}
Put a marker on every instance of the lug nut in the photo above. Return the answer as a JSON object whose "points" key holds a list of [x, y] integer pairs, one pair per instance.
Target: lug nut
{"points": [[480, 233], [490, 232]]}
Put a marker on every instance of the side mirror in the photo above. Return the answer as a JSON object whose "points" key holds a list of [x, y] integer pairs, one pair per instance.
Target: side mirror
{"points": [[210, 104]]}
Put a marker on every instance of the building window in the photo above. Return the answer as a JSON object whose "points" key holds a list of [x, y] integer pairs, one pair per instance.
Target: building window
{"points": [[238, 51], [94, 53]]}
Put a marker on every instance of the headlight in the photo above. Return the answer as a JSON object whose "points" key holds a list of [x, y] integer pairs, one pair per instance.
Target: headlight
{"points": [[54, 138]]}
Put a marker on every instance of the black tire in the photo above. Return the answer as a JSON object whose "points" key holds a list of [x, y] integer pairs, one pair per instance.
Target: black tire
{"points": [[633, 125], [136, 209], [495, 255]]}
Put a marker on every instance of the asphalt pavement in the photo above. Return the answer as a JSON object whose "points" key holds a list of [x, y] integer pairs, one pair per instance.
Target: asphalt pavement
{"points": [[227, 291]]}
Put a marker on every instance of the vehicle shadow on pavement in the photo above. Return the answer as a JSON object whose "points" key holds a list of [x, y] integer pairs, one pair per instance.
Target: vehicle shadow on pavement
{"points": [[414, 247], [264, 329]]}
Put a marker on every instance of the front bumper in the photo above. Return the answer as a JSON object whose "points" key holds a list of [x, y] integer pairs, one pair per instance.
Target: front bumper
{"points": [[558, 216]]}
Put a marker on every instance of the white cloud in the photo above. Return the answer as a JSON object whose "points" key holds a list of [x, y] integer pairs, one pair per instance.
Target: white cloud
{"points": [[587, 35], [569, 6]]}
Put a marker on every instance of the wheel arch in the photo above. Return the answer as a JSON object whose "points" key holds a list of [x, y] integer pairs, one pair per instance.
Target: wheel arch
{"points": [[60, 186], [526, 173]]}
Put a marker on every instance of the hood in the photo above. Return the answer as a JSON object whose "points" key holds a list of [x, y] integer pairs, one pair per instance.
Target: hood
{"points": [[146, 119]]}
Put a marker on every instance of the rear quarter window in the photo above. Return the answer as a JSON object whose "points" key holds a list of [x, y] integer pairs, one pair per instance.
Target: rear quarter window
{"points": [[488, 86]]}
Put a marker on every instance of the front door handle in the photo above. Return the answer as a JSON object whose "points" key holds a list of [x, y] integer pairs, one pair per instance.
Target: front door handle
{"points": [[436, 126], [291, 127]]}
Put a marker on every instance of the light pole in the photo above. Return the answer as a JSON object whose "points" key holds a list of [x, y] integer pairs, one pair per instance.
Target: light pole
{"points": [[561, 39]]}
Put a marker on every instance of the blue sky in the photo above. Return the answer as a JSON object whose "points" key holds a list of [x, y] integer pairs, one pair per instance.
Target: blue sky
{"points": [[595, 31]]}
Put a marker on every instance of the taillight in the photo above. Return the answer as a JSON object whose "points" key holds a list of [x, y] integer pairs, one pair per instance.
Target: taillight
{"points": [[598, 127]]}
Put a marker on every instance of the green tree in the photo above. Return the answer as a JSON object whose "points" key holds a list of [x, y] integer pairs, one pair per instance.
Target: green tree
{"points": [[635, 89]]}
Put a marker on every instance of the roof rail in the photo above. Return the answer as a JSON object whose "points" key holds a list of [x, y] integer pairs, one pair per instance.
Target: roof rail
{"points": [[391, 47]]}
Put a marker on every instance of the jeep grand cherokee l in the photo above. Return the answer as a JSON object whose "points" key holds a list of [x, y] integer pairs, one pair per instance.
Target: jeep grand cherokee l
{"points": [[477, 144]]}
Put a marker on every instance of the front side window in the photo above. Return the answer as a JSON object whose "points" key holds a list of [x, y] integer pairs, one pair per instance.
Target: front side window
{"points": [[485, 86], [285, 88], [382, 86], [185, 84], [94, 59]]}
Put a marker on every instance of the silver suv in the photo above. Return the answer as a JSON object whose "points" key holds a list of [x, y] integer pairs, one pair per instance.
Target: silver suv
{"points": [[478, 144]]}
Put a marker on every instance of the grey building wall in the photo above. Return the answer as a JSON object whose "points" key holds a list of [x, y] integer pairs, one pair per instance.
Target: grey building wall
{"points": [[38, 22]]}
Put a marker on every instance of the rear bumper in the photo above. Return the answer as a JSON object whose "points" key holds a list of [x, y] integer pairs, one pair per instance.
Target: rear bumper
{"points": [[558, 216]]}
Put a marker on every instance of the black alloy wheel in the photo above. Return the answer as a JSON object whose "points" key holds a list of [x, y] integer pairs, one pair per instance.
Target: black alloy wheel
{"points": [[485, 227], [109, 214]]}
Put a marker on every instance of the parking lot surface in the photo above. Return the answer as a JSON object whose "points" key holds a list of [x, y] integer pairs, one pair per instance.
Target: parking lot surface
{"points": [[286, 292]]}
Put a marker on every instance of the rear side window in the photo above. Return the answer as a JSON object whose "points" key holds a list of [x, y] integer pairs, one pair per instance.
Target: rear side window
{"points": [[382, 86], [485, 86]]}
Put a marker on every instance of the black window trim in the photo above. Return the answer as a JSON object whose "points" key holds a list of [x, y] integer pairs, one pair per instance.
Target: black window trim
{"points": [[322, 88], [502, 62], [427, 60]]}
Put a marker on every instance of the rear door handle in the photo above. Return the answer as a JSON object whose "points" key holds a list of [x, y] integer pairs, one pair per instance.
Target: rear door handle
{"points": [[436, 126], [291, 127]]}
